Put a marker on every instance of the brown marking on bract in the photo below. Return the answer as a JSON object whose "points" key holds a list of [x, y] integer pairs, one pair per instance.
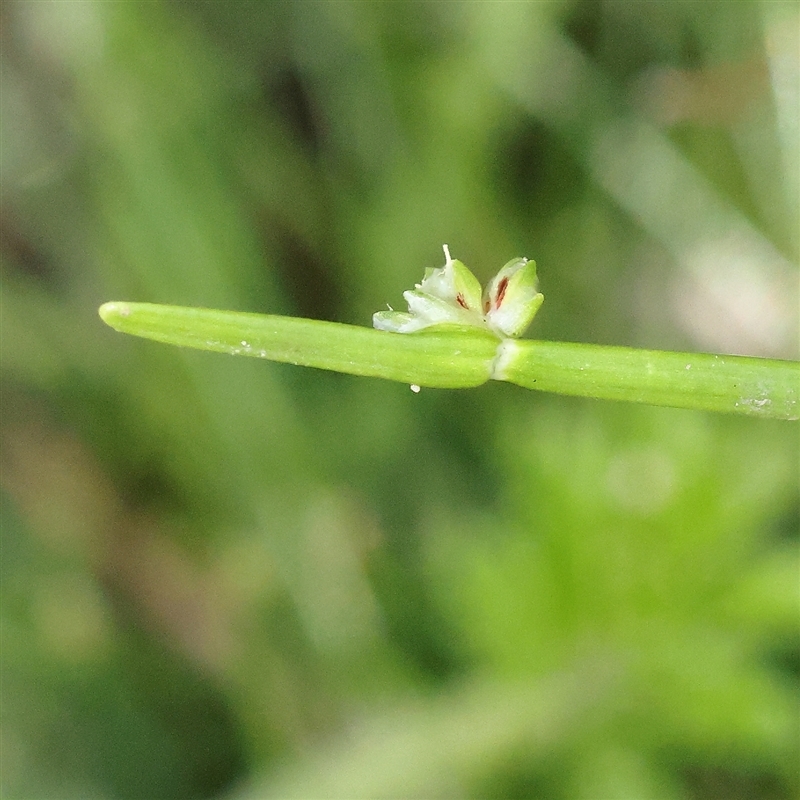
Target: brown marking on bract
{"points": [[501, 292], [461, 301]]}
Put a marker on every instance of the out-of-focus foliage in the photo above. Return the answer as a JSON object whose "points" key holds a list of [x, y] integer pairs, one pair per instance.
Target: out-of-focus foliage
{"points": [[228, 577]]}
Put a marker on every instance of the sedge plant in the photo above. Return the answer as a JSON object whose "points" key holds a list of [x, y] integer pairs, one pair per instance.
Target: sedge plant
{"points": [[456, 336]]}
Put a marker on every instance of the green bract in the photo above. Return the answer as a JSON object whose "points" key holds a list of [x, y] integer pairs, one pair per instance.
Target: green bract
{"points": [[452, 295]]}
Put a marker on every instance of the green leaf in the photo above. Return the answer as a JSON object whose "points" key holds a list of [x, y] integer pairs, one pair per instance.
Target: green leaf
{"points": [[446, 357]]}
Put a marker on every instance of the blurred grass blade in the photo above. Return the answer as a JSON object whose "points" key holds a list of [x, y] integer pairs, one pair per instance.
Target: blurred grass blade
{"points": [[452, 358], [758, 387]]}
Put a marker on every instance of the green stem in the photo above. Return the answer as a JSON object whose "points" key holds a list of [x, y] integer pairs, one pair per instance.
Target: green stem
{"points": [[754, 386], [452, 357]]}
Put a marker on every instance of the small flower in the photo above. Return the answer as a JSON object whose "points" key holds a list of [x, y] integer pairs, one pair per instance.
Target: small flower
{"points": [[451, 295], [512, 299], [447, 295]]}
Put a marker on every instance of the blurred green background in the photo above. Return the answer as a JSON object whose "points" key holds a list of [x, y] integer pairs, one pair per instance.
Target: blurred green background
{"points": [[223, 577]]}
